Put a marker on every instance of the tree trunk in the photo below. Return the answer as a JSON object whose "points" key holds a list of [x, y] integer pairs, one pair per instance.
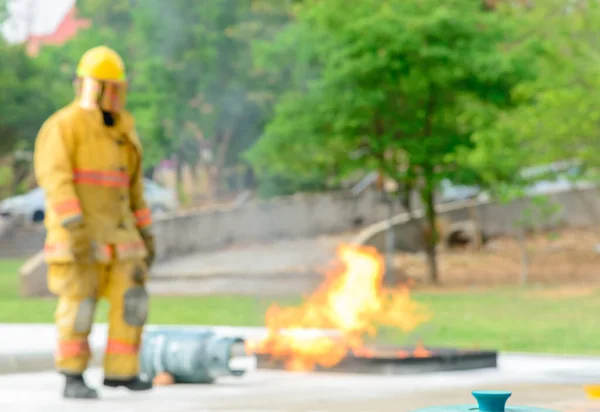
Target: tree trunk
{"points": [[390, 246], [432, 263], [20, 172], [219, 163], [179, 179], [406, 198], [149, 172], [431, 233]]}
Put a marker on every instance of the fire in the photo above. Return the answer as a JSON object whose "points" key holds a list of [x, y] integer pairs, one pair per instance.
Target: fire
{"points": [[352, 301]]}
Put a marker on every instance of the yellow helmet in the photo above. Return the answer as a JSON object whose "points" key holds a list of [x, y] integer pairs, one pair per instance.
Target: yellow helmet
{"points": [[102, 63], [101, 81]]}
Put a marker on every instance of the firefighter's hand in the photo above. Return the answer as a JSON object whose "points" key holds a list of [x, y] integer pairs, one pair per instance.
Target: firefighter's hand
{"points": [[149, 242], [80, 244]]}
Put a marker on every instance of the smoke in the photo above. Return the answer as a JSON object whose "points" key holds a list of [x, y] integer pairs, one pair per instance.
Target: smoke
{"points": [[203, 56]]}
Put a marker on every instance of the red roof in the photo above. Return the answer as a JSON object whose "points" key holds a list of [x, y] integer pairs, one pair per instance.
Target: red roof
{"points": [[66, 30]]}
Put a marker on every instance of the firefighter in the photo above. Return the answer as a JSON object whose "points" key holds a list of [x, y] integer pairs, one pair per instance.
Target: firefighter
{"points": [[99, 244]]}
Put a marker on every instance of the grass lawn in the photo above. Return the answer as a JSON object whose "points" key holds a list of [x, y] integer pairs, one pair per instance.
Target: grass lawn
{"points": [[550, 320]]}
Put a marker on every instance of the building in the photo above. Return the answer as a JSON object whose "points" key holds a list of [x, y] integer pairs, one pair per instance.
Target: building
{"points": [[42, 22]]}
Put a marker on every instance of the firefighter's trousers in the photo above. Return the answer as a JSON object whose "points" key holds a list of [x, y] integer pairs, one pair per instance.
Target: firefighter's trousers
{"points": [[79, 288]]}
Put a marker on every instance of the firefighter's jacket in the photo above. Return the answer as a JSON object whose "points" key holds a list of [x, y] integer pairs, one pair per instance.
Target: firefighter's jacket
{"points": [[92, 173]]}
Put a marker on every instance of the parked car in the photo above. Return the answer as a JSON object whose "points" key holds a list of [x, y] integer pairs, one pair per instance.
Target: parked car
{"points": [[450, 192], [160, 199], [546, 179], [32, 204]]}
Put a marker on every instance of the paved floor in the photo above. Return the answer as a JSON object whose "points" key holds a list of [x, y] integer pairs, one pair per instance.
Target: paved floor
{"points": [[270, 391], [30, 347], [535, 381]]}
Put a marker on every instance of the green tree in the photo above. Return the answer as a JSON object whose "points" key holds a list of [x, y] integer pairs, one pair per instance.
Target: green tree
{"points": [[196, 76], [189, 75], [26, 100], [22, 98], [191, 79], [401, 86], [560, 117]]}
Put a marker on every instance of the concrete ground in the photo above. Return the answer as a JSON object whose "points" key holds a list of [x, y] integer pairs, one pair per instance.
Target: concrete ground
{"points": [[270, 391], [535, 380]]}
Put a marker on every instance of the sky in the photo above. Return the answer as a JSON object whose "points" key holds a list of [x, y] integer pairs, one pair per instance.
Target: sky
{"points": [[34, 17]]}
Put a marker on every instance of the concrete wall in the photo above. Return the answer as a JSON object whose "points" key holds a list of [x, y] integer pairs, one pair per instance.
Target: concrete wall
{"points": [[20, 238], [301, 215], [579, 207], [312, 215], [32, 277], [309, 215]]}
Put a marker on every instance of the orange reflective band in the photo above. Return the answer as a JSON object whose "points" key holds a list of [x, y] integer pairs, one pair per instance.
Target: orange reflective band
{"points": [[130, 246], [101, 178], [70, 206], [121, 348], [72, 348], [143, 213], [56, 247], [143, 217], [106, 252], [60, 251]]}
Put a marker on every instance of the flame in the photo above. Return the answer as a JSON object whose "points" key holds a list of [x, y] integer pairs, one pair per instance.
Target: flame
{"points": [[421, 352], [352, 301]]}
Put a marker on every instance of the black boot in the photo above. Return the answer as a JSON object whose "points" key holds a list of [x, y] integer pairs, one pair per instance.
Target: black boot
{"points": [[134, 384], [76, 388]]}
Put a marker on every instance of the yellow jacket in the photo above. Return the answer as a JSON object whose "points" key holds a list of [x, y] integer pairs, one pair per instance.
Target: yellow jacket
{"points": [[92, 173]]}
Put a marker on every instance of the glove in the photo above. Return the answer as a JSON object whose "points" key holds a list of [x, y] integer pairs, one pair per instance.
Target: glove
{"points": [[80, 245], [148, 239]]}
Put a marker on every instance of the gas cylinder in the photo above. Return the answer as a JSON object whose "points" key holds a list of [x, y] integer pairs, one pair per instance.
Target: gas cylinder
{"points": [[487, 401], [192, 356]]}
